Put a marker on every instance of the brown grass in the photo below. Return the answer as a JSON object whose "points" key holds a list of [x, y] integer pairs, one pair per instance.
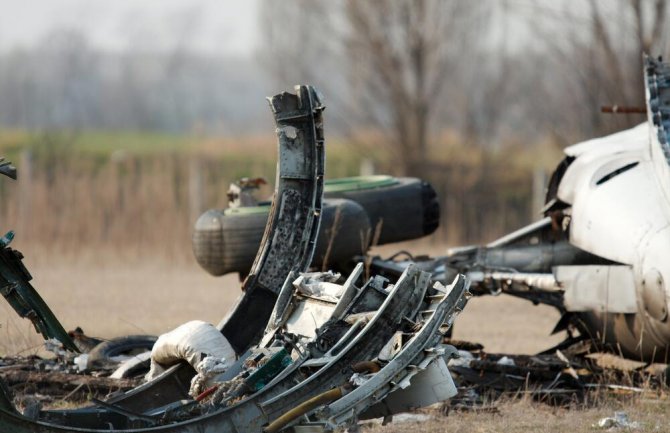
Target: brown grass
{"points": [[524, 416], [109, 296], [136, 191]]}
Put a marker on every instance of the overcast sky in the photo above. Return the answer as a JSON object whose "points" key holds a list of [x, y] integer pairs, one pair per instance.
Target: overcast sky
{"points": [[221, 27], [211, 26]]}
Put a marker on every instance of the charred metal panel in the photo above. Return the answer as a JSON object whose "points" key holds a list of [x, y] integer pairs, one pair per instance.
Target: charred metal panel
{"points": [[288, 243], [417, 354], [290, 234], [288, 369], [283, 246], [284, 392]]}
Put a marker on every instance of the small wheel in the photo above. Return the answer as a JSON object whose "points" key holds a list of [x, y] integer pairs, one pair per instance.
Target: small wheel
{"points": [[103, 353]]}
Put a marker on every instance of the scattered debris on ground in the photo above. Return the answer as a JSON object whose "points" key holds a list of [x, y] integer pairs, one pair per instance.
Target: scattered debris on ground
{"points": [[316, 351], [54, 382], [619, 420], [570, 376], [565, 377]]}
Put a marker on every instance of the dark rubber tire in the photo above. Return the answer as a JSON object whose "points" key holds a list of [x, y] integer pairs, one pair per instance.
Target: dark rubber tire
{"points": [[406, 209], [101, 354], [228, 242], [344, 227]]}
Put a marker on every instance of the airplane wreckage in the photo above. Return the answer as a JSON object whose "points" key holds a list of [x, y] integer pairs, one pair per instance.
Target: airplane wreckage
{"points": [[315, 351]]}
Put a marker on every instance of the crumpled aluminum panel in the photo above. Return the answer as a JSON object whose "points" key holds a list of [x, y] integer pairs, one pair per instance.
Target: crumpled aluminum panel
{"points": [[657, 84]]}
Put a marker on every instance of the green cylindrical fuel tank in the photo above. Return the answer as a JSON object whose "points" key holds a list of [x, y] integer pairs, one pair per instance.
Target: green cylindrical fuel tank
{"points": [[226, 241]]}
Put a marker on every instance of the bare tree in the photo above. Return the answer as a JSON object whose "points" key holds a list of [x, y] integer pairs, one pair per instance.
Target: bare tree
{"points": [[401, 53], [599, 48], [296, 36], [302, 42], [383, 65], [648, 23]]}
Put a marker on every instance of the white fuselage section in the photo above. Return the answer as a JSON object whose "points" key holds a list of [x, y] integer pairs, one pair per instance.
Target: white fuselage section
{"points": [[619, 209]]}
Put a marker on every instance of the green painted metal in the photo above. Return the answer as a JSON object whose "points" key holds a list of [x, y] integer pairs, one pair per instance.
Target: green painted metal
{"points": [[22, 296], [261, 377], [358, 183], [247, 210]]}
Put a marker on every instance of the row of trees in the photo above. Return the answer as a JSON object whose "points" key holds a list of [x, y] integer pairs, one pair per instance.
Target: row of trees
{"points": [[493, 71], [402, 70], [64, 82]]}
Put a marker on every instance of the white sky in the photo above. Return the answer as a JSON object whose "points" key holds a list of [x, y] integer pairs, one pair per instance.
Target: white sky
{"points": [[212, 26]]}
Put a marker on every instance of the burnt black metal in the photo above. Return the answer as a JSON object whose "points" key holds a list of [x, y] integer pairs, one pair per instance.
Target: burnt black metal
{"points": [[412, 355], [290, 234], [288, 244], [291, 387], [291, 390], [535, 258]]}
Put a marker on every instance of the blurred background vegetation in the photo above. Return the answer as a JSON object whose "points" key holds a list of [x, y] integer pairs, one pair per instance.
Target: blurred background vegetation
{"points": [[122, 144]]}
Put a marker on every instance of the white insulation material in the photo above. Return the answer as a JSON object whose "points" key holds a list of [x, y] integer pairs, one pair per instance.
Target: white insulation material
{"points": [[319, 285], [190, 342]]}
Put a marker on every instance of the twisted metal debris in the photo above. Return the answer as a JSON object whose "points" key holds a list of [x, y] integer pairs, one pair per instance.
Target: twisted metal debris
{"points": [[310, 352]]}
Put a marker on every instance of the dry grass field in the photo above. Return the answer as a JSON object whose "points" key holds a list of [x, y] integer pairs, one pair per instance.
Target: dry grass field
{"points": [[652, 414], [110, 296]]}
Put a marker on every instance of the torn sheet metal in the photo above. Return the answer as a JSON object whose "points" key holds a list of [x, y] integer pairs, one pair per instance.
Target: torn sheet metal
{"points": [[430, 386], [404, 297], [416, 355], [290, 235], [308, 316], [288, 244], [294, 371]]}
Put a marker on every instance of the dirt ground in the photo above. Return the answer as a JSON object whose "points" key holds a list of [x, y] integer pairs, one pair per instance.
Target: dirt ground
{"points": [[108, 296], [646, 414]]}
